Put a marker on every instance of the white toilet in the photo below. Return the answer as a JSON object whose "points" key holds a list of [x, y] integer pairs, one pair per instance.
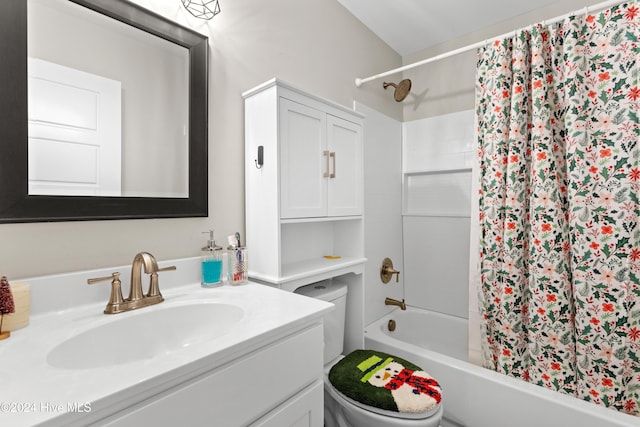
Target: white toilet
{"points": [[340, 410]]}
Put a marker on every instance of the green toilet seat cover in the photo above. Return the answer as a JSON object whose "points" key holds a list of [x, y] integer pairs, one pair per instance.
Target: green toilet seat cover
{"points": [[382, 381]]}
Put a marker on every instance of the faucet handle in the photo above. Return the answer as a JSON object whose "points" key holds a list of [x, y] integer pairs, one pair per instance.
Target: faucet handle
{"points": [[114, 276], [115, 300], [154, 288], [387, 271]]}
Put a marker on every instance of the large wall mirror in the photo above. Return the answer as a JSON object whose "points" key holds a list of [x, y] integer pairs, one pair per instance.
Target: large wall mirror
{"points": [[103, 113]]}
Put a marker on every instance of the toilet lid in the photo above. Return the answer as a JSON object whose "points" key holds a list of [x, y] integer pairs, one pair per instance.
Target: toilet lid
{"points": [[386, 384]]}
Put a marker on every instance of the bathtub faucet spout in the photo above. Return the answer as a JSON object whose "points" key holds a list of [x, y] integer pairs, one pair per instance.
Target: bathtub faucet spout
{"points": [[391, 301]]}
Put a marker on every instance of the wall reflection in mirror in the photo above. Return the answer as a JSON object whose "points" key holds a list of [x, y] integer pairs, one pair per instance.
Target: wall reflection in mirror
{"points": [[108, 106]]}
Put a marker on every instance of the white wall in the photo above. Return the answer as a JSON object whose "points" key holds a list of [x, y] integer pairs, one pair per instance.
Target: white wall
{"points": [[322, 50]]}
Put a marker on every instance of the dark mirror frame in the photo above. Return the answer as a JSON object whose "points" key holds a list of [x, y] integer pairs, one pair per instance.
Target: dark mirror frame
{"points": [[15, 203]]}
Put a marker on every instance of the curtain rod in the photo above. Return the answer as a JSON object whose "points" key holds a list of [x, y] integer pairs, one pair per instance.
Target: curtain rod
{"points": [[603, 5]]}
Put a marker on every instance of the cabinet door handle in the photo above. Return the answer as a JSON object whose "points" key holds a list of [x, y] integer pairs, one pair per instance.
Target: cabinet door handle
{"points": [[326, 171], [333, 157]]}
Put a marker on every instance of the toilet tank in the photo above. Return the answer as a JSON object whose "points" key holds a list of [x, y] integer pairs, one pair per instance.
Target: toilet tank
{"points": [[333, 291]]}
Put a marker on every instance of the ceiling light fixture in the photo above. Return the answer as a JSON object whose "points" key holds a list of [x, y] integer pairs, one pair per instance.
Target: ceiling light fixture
{"points": [[203, 9]]}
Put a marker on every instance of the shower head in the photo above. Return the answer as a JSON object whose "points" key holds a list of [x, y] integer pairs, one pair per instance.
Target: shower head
{"points": [[402, 89]]}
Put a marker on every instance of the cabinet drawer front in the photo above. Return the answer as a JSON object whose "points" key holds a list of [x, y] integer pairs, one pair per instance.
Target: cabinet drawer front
{"points": [[240, 392]]}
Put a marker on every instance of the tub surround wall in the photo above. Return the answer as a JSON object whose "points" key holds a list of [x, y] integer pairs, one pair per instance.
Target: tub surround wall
{"points": [[438, 144], [437, 159], [383, 201], [436, 262], [475, 318], [417, 207]]}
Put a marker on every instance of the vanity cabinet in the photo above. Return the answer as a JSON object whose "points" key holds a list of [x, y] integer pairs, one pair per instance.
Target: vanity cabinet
{"points": [[279, 384], [304, 193]]}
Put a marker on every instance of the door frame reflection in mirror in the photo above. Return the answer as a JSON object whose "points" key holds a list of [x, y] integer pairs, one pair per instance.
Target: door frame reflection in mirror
{"points": [[15, 203]]}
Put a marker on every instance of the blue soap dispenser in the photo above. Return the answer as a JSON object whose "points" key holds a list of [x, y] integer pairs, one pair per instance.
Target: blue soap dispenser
{"points": [[211, 257]]}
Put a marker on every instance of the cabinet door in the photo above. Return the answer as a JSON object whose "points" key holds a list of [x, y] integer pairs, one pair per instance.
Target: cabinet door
{"points": [[303, 161], [344, 141]]}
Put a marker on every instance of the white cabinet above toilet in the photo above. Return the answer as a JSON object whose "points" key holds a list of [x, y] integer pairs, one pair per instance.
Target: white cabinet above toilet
{"points": [[304, 186], [304, 202]]}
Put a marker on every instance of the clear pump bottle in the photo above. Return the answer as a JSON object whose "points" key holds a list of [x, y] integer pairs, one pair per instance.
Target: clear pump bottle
{"points": [[211, 257]]}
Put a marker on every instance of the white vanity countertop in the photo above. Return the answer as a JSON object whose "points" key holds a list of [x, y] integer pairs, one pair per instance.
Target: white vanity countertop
{"points": [[32, 392]]}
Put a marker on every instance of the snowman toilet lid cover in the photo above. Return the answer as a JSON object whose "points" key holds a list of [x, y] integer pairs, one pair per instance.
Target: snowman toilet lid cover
{"points": [[378, 380]]}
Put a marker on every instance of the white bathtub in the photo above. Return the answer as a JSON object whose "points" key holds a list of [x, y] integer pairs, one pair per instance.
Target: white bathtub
{"points": [[474, 396]]}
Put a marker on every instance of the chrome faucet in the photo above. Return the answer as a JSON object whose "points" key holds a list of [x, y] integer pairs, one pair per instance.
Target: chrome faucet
{"points": [[136, 298], [391, 301]]}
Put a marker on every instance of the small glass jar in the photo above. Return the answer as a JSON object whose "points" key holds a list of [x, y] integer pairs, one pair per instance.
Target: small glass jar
{"points": [[238, 271]]}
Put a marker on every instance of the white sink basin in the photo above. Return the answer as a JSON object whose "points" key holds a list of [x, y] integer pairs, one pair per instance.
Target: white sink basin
{"points": [[144, 334]]}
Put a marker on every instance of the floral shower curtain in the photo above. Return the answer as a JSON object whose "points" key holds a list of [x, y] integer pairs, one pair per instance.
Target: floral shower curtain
{"points": [[558, 130]]}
